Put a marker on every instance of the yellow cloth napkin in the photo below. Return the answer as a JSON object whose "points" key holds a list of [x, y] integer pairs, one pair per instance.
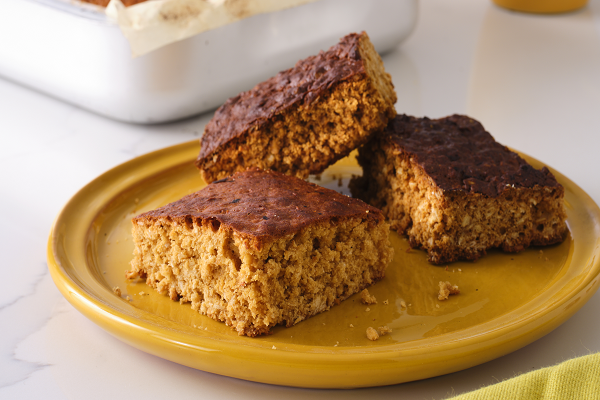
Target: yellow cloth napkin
{"points": [[576, 379]]}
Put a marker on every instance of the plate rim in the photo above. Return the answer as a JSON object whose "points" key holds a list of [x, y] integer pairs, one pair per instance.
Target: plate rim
{"points": [[377, 366]]}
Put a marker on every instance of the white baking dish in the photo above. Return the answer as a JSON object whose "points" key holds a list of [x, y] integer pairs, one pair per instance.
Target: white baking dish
{"points": [[73, 52]]}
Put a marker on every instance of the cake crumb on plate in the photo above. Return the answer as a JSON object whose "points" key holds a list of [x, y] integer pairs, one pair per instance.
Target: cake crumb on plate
{"points": [[383, 330], [372, 334], [447, 289], [367, 298]]}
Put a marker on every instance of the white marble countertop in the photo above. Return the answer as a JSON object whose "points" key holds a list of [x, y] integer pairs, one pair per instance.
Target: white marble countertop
{"points": [[533, 81]]}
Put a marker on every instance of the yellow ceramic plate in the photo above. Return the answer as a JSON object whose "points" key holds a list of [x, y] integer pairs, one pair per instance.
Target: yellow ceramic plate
{"points": [[506, 300]]}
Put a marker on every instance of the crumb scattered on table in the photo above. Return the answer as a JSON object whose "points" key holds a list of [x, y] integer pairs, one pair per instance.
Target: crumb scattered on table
{"points": [[402, 304]]}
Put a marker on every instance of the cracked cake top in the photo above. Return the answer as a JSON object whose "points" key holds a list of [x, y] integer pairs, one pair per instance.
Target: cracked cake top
{"points": [[263, 205], [460, 155]]}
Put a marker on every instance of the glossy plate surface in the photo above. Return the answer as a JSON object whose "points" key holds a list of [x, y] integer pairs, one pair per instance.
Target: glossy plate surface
{"points": [[506, 300]]}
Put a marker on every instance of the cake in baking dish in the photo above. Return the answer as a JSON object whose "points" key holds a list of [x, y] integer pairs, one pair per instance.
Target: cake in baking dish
{"points": [[303, 119], [456, 192], [261, 248]]}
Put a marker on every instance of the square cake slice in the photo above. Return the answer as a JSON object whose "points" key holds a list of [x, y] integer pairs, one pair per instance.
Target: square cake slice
{"points": [[456, 192], [303, 119], [259, 249]]}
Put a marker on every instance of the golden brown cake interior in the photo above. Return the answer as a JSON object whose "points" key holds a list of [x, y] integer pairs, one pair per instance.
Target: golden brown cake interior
{"points": [[254, 278], [446, 211], [304, 119]]}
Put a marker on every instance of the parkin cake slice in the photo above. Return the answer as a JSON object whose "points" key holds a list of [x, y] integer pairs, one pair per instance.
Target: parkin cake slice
{"points": [[456, 192], [305, 118], [261, 248]]}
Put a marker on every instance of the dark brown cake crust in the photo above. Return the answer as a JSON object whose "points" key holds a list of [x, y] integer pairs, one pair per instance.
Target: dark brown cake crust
{"points": [[460, 155], [265, 204], [303, 119], [304, 83], [456, 192]]}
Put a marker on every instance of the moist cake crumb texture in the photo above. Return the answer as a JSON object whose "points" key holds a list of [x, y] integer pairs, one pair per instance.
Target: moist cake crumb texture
{"points": [[372, 334], [367, 298], [260, 249], [456, 192], [303, 119], [383, 330], [447, 289]]}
